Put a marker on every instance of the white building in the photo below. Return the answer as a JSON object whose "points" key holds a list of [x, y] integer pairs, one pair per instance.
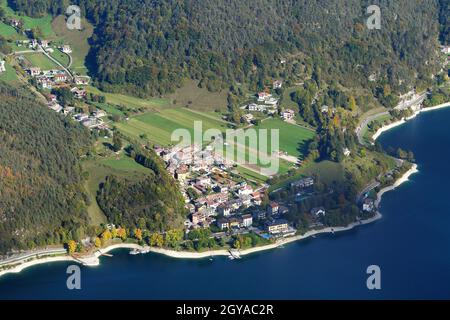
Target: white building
{"points": [[66, 49], [277, 84], [288, 115], [2, 66]]}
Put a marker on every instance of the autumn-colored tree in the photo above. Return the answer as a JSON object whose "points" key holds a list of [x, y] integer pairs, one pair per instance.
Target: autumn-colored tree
{"points": [[97, 242], [156, 240], [122, 233], [138, 234], [352, 103], [113, 232], [71, 246], [106, 235], [173, 237]]}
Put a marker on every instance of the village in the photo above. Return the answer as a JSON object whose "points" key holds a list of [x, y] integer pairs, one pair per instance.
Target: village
{"points": [[216, 196], [51, 80], [218, 199]]}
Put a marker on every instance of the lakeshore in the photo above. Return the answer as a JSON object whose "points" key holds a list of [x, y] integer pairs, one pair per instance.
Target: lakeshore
{"points": [[395, 124], [93, 260]]}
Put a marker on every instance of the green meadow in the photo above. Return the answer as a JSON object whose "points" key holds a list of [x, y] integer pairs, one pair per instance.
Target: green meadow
{"points": [[44, 23], [41, 61], [293, 138], [158, 126], [9, 75], [129, 101]]}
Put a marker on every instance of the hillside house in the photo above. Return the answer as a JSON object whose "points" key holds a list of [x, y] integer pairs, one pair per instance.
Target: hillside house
{"points": [[368, 205], [277, 84], [288, 115], [66, 49], [80, 80], [34, 71], [60, 77], [317, 212]]}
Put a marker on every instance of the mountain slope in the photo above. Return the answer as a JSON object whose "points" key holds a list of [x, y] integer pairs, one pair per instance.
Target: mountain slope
{"points": [[41, 195], [147, 47]]}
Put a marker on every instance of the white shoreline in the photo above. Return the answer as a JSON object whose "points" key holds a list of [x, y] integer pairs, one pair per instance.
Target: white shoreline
{"points": [[94, 260], [390, 126], [36, 261]]}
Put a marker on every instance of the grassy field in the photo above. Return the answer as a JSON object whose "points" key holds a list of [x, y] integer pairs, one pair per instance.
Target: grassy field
{"points": [[9, 75], [198, 98], [328, 172], [158, 126], [44, 23], [41, 61], [9, 32], [77, 39], [293, 138], [61, 57], [129, 101], [251, 175], [98, 170]]}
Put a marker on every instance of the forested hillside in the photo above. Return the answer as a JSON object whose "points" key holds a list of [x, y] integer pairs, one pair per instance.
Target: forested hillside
{"points": [[153, 202], [444, 19], [41, 197], [147, 47]]}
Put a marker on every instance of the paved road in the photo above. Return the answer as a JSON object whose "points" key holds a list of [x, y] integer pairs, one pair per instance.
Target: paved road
{"points": [[30, 254], [56, 61], [368, 188], [401, 106]]}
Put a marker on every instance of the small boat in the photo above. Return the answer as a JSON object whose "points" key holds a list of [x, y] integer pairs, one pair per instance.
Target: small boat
{"points": [[230, 257], [145, 250], [134, 252]]}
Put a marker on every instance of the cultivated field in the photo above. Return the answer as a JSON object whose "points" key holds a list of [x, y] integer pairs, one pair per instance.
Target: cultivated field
{"points": [[41, 61], [129, 101], [158, 126]]}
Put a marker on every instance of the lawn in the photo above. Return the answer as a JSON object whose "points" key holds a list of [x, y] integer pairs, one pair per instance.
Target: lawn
{"points": [[44, 23], [293, 138], [41, 61]]}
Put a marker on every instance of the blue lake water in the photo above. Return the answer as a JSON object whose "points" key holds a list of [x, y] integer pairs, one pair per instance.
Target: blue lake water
{"points": [[411, 244]]}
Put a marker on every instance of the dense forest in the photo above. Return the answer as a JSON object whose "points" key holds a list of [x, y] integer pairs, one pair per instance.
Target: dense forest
{"points": [[41, 197], [147, 47], [444, 20], [152, 202]]}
